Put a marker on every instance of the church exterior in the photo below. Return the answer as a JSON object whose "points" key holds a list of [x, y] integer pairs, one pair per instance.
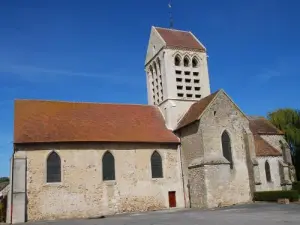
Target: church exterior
{"points": [[187, 148]]}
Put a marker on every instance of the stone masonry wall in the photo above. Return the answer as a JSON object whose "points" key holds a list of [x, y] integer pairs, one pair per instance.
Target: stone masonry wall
{"points": [[275, 174], [192, 148], [225, 186], [83, 193]]}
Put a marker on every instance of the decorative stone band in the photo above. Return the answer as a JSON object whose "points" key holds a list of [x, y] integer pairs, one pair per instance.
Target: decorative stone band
{"points": [[211, 160]]}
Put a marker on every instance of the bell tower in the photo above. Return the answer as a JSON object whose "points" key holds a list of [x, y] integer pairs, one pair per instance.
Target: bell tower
{"points": [[177, 72]]}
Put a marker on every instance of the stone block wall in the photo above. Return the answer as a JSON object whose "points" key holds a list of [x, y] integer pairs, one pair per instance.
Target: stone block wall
{"points": [[82, 192], [275, 183]]}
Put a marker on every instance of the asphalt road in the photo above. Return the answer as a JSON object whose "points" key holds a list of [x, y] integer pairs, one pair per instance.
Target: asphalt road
{"points": [[252, 214]]}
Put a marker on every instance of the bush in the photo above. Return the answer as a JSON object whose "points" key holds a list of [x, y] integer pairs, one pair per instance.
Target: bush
{"points": [[296, 186], [275, 195]]}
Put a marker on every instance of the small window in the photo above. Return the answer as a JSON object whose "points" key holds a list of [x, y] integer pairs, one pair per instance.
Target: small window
{"points": [[189, 95], [53, 168], [177, 60], [178, 72], [162, 98], [198, 96], [157, 101], [108, 166], [178, 79], [156, 80], [179, 87], [268, 172], [197, 88], [156, 165], [186, 61], [187, 73], [188, 80], [195, 73], [196, 81], [153, 97], [195, 62], [180, 95], [188, 88], [160, 83]]}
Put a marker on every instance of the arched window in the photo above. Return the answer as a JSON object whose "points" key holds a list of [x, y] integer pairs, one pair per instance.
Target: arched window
{"points": [[156, 165], [158, 64], [186, 61], [53, 168], [155, 68], [108, 166], [268, 171], [177, 60], [226, 147], [195, 62]]}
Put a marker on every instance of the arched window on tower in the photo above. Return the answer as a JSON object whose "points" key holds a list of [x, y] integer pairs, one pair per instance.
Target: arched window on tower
{"points": [[108, 166], [156, 165], [155, 68], [268, 172], [226, 147], [195, 62], [53, 168], [159, 66], [177, 60], [186, 61]]}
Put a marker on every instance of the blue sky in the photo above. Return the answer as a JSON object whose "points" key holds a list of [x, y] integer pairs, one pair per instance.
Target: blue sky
{"points": [[95, 51]]}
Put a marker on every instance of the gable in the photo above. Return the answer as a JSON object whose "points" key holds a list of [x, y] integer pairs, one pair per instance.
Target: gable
{"points": [[196, 111], [155, 44], [51, 121]]}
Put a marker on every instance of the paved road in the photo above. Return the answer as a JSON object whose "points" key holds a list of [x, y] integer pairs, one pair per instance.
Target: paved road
{"points": [[252, 214]]}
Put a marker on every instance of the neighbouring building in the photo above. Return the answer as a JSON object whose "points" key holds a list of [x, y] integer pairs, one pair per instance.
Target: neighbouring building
{"points": [[187, 148]]}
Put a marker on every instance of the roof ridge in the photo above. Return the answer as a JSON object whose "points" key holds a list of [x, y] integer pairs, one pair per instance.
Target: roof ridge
{"points": [[172, 29], [79, 102]]}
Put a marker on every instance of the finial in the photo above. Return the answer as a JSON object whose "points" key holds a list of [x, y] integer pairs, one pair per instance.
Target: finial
{"points": [[171, 16]]}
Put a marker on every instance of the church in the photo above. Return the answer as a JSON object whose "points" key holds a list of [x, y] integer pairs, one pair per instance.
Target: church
{"points": [[188, 148]]}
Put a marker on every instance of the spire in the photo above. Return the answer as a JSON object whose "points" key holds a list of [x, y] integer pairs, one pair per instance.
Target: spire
{"points": [[171, 16]]}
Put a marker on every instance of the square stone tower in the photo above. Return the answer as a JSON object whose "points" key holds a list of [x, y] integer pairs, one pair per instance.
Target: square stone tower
{"points": [[177, 72]]}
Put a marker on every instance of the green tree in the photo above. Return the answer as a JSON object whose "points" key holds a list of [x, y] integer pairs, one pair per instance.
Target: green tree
{"points": [[288, 121], [4, 179]]}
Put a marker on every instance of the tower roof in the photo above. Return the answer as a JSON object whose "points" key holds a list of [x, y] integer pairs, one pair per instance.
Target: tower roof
{"points": [[179, 39]]}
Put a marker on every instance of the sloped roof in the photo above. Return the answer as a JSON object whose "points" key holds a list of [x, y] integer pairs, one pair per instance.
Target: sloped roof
{"points": [[263, 148], [196, 110], [180, 39], [260, 125], [52, 121], [3, 185]]}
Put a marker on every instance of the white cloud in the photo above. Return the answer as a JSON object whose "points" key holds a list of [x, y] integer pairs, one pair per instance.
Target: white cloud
{"points": [[38, 74]]}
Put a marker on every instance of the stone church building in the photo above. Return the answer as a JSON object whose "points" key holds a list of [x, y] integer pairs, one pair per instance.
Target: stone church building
{"points": [[187, 148]]}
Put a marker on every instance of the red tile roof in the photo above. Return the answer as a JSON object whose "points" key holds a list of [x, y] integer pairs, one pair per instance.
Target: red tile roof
{"points": [[260, 125], [195, 111], [180, 39], [263, 148], [51, 121]]}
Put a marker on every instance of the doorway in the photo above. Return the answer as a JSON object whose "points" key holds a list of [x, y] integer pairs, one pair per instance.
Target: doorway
{"points": [[172, 199]]}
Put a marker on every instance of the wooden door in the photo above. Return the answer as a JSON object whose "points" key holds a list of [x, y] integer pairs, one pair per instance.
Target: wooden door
{"points": [[172, 199]]}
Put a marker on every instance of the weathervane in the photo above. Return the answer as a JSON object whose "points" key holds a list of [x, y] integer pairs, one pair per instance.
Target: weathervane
{"points": [[171, 16]]}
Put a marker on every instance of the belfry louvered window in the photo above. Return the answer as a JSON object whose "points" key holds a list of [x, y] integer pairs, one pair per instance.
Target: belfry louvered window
{"points": [[226, 148], [156, 165], [53, 168], [108, 166]]}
